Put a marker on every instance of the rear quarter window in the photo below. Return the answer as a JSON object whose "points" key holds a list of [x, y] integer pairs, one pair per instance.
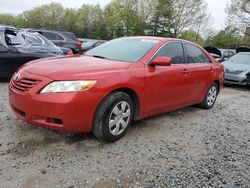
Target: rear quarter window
{"points": [[195, 54]]}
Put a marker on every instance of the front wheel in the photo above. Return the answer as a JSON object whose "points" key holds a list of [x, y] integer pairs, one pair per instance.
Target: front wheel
{"points": [[113, 117], [210, 97]]}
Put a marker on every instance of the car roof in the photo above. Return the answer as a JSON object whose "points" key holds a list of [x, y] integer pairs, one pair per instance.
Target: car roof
{"points": [[162, 39], [49, 30]]}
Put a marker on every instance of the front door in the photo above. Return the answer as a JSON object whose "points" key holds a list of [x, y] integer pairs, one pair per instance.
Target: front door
{"points": [[166, 87]]}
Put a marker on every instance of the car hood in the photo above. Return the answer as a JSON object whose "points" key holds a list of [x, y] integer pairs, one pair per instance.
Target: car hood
{"points": [[235, 66], [73, 67]]}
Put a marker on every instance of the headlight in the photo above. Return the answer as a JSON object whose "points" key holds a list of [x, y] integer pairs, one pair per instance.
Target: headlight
{"points": [[68, 86]]}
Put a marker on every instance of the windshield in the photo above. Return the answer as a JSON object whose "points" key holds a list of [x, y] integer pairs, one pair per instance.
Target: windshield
{"points": [[124, 49], [241, 58]]}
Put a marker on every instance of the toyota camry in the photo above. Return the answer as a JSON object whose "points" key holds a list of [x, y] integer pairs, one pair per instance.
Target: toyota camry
{"points": [[111, 85]]}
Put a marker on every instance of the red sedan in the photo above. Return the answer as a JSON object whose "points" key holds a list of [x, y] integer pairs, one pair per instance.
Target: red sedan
{"points": [[122, 80]]}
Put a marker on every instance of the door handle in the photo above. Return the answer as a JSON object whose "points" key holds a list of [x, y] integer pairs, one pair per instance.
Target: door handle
{"points": [[185, 71], [211, 69]]}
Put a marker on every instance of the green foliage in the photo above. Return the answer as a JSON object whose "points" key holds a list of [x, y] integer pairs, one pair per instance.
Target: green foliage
{"points": [[89, 21], [227, 38], [192, 36], [7, 19], [45, 16], [171, 17]]}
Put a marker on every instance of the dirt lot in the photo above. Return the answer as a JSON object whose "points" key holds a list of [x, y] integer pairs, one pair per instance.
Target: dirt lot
{"points": [[187, 148]]}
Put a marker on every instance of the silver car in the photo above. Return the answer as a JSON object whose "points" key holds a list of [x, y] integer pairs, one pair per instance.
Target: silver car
{"points": [[237, 69]]}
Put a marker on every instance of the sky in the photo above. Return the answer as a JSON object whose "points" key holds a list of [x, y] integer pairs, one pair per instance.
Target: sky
{"points": [[216, 7]]}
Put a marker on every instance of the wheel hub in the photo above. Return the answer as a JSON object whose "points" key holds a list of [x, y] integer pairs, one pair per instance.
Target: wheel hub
{"points": [[119, 118]]}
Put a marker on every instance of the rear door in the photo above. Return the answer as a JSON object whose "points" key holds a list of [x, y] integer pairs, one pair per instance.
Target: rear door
{"points": [[201, 72], [167, 87]]}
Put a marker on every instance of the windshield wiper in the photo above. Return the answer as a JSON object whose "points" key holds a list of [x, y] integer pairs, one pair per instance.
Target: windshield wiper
{"points": [[99, 56]]}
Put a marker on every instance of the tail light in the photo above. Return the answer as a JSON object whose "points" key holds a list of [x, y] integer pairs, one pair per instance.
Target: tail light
{"points": [[70, 52], [79, 44]]}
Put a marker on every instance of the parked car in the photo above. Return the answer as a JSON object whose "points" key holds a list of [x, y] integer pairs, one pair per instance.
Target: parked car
{"points": [[61, 39], [226, 54], [237, 69], [122, 80], [66, 51], [215, 52], [243, 49], [18, 47], [221, 54], [89, 44]]}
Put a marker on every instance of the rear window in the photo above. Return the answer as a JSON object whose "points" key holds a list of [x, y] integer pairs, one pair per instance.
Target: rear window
{"points": [[52, 35], [71, 36], [195, 55], [89, 43]]}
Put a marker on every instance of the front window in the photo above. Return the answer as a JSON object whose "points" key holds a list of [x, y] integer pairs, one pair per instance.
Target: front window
{"points": [[174, 50], [241, 58], [124, 49]]}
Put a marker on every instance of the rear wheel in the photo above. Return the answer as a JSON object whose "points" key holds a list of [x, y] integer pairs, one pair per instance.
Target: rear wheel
{"points": [[113, 117], [210, 97]]}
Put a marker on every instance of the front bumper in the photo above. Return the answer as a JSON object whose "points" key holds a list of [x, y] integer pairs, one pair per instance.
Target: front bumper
{"points": [[243, 80], [68, 112]]}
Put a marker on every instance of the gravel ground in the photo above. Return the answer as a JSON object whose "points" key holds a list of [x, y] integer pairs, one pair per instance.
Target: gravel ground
{"points": [[186, 148]]}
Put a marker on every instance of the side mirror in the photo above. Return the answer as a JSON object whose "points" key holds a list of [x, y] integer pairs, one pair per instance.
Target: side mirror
{"points": [[162, 61]]}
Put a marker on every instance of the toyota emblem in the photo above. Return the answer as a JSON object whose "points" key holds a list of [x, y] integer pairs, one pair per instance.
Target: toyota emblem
{"points": [[17, 76]]}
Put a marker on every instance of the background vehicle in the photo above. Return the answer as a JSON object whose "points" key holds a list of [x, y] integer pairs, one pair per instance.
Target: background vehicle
{"points": [[88, 44], [66, 51], [62, 39], [226, 54], [18, 47], [237, 69], [126, 79], [221, 54]]}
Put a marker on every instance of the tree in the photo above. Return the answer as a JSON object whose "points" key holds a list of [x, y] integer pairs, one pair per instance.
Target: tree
{"points": [[70, 18], [7, 19], [46, 16], [227, 38], [173, 16], [238, 14], [123, 18], [90, 21]]}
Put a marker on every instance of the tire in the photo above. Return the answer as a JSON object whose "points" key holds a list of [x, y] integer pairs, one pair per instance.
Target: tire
{"points": [[210, 97], [113, 117]]}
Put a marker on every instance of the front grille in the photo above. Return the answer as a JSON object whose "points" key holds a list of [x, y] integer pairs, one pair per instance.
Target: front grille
{"points": [[24, 84], [235, 72]]}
